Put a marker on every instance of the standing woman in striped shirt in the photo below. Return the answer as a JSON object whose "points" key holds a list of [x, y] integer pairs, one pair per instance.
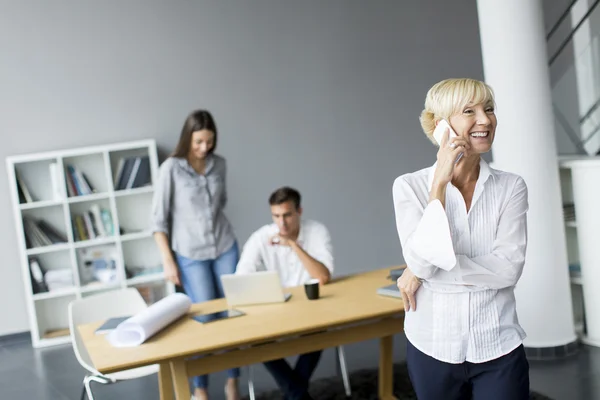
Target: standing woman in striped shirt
{"points": [[193, 234], [463, 230]]}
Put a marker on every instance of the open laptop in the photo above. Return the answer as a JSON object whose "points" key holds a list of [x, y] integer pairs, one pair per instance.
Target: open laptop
{"points": [[255, 288]]}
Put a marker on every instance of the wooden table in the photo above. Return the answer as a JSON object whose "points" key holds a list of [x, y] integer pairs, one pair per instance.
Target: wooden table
{"points": [[349, 310]]}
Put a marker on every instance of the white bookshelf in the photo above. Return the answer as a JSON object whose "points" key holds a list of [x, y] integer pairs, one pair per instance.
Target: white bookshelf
{"points": [[126, 212], [579, 178]]}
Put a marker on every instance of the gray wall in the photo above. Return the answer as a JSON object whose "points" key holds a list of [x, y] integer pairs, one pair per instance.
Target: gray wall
{"points": [[324, 96]]}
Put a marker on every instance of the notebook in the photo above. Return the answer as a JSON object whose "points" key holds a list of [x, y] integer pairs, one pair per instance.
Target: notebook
{"points": [[110, 324]]}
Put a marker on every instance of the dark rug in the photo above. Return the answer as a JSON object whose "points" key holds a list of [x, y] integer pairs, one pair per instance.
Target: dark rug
{"points": [[364, 387]]}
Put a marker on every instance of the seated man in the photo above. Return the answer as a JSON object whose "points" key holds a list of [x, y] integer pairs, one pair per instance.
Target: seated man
{"points": [[299, 250]]}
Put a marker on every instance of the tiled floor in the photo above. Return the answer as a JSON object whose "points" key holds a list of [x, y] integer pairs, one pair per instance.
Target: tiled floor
{"points": [[54, 374]]}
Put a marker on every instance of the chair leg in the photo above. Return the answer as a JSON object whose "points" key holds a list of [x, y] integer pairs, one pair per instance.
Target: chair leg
{"points": [[251, 382], [96, 378], [87, 388], [341, 359], [83, 391]]}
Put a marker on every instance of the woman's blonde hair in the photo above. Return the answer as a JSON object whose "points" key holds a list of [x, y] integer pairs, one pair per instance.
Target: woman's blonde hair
{"points": [[450, 97]]}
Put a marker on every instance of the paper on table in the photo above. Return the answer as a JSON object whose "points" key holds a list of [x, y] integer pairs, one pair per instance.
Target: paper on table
{"points": [[137, 329]]}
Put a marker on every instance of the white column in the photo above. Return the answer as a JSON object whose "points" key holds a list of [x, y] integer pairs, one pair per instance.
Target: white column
{"points": [[516, 66]]}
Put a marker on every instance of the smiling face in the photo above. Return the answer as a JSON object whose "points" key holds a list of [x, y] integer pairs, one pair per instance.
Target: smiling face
{"points": [[202, 142], [477, 124], [468, 105]]}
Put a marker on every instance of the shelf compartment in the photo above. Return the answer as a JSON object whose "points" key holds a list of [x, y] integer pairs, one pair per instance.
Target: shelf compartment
{"points": [[130, 169], [44, 227], [52, 317], [134, 212], [92, 221], [34, 176], [85, 172], [98, 266], [58, 274]]}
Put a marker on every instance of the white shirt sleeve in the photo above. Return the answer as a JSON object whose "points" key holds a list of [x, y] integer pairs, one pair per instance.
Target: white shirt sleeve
{"points": [[424, 232], [503, 266], [251, 258], [321, 248]]}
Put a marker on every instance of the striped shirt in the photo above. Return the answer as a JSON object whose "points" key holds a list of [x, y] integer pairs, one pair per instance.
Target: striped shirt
{"points": [[470, 263], [188, 207]]}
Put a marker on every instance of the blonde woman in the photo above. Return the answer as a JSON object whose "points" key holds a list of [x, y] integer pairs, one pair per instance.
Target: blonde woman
{"points": [[463, 230]]}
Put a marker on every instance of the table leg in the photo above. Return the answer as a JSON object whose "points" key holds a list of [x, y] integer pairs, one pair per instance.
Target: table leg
{"points": [[165, 382], [180, 380], [386, 368]]}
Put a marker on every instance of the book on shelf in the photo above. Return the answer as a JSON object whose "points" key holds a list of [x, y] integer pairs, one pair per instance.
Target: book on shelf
{"points": [[133, 172], [78, 183], [24, 193], [55, 181], [41, 233], [94, 223]]}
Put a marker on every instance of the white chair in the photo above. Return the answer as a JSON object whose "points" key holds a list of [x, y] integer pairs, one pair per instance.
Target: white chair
{"points": [[341, 367], [116, 303]]}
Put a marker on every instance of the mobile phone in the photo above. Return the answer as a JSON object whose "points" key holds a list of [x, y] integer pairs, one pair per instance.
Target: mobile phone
{"points": [[217, 316], [440, 130]]}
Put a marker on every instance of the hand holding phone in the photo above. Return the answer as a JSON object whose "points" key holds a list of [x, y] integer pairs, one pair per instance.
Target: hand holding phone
{"points": [[440, 131]]}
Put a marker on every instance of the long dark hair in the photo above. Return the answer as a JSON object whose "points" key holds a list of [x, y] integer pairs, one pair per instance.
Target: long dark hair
{"points": [[198, 120]]}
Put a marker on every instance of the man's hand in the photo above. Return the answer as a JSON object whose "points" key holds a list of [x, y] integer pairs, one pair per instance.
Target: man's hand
{"points": [[280, 240], [408, 284]]}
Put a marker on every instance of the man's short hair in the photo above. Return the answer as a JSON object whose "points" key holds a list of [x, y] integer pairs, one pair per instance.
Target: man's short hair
{"points": [[285, 194]]}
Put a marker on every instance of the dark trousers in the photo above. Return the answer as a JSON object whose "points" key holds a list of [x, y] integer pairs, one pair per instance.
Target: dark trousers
{"points": [[294, 382], [505, 378]]}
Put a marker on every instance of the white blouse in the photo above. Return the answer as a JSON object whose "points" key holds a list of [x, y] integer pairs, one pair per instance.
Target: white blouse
{"points": [[470, 263]]}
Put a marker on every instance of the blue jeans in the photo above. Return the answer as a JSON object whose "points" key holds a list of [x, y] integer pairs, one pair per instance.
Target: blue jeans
{"points": [[201, 280]]}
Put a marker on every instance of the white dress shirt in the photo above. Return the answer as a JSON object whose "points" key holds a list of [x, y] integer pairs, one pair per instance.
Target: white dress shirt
{"points": [[470, 263], [259, 254]]}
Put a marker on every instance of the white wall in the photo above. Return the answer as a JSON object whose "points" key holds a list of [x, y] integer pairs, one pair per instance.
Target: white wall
{"points": [[324, 96]]}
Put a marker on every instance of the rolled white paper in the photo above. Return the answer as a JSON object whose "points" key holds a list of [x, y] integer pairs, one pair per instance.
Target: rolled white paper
{"points": [[137, 329]]}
